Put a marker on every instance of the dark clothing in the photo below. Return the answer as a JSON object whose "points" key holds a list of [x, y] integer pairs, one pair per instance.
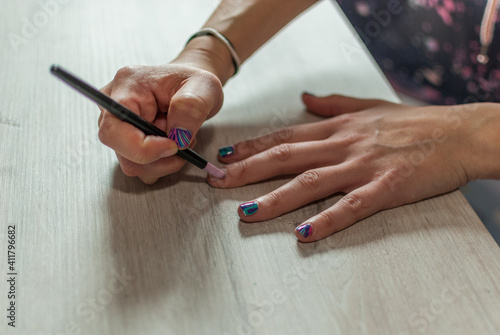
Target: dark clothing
{"points": [[428, 49]]}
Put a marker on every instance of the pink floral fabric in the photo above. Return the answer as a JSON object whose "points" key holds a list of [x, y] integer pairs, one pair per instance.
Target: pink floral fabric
{"points": [[429, 48]]}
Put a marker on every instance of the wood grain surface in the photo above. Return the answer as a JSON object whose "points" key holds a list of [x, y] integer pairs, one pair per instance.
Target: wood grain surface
{"points": [[100, 253]]}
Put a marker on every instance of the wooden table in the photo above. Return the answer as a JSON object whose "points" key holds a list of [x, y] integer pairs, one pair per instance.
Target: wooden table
{"points": [[101, 253]]}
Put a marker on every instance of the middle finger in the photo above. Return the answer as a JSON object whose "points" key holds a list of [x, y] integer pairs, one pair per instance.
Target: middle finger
{"points": [[287, 158]]}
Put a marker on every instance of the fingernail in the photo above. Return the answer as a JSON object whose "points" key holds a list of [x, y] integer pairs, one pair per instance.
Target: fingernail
{"points": [[180, 136], [226, 151], [215, 172], [307, 93], [305, 229], [249, 208]]}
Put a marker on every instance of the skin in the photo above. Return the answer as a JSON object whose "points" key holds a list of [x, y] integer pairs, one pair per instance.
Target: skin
{"points": [[189, 88], [379, 154]]}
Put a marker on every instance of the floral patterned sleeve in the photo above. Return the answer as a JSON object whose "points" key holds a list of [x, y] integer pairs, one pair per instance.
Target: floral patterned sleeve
{"points": [[439, 51]]}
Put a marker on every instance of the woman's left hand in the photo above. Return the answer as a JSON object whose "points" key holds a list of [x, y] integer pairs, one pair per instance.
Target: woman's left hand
{"points": [[379, 154]]}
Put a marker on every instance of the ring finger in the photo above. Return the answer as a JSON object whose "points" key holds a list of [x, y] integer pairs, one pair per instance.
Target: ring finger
{"points": [[310, 186]]}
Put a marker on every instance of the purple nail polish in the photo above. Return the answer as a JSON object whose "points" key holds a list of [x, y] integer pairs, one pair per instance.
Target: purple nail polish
{"points": [[180, 136], [305, 229], [226, 151], [249, 208]]}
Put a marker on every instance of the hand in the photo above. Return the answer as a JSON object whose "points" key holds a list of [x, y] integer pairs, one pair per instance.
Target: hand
{"points": [[379, 154], [187, 94]]}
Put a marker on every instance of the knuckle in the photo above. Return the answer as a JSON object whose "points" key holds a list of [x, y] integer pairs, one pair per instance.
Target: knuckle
{"points": [[281, 153], [212, 79], [326, 216], [144, 153], [125, 71], [389, 183], [273, 199], [140, 152], [309, 180], [365, 158], [130, 169], [214, 83], [191, 104], [129, 101], [261, 143], [343, 119], [348, 140], [239, 168], [247, 148], [141, 157], [389, 178], [353, 202]]}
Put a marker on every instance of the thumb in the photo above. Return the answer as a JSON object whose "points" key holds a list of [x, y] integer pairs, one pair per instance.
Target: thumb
{"points": [[190, 106], [335, 104]]}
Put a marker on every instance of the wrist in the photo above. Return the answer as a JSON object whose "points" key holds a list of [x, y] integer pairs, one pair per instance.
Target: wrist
{"points": [[483, 124], [210, 54]]}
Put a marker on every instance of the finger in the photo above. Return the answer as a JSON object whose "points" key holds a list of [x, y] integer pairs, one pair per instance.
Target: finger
{"points": [[133, 144], [300, 133], [106, 90], [161, 120], [138, 98], [280, 160], [150, 173], [352, 207], [310, 186], [189, 108], [127, 140], [335, 104]]}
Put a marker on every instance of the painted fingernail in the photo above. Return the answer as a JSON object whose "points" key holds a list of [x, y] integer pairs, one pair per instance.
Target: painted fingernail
{"points": [[226, 151], [307, 93], [180, 136], [249, 208], [305, 229]]}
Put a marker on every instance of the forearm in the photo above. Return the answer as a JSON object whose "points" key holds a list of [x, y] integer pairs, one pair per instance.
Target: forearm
{"points": [[248, 24], [485, 141]]}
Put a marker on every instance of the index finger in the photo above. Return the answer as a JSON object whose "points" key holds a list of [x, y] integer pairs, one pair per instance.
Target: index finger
{"points": [[127, 140]]}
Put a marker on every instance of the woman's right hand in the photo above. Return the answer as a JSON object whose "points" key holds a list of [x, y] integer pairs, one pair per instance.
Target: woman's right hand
{"points": [[177, 98], [189, 89]]}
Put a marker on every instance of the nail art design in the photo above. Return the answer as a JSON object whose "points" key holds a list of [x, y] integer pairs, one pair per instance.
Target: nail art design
{"points": [[249, 208], [305, 229], [226, 151], [180, 136]]}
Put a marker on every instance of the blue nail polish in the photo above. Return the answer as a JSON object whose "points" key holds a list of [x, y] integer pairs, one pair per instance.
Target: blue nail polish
{"points": [[226, 151], [305, 229], [249, 208], [180, 136]]}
